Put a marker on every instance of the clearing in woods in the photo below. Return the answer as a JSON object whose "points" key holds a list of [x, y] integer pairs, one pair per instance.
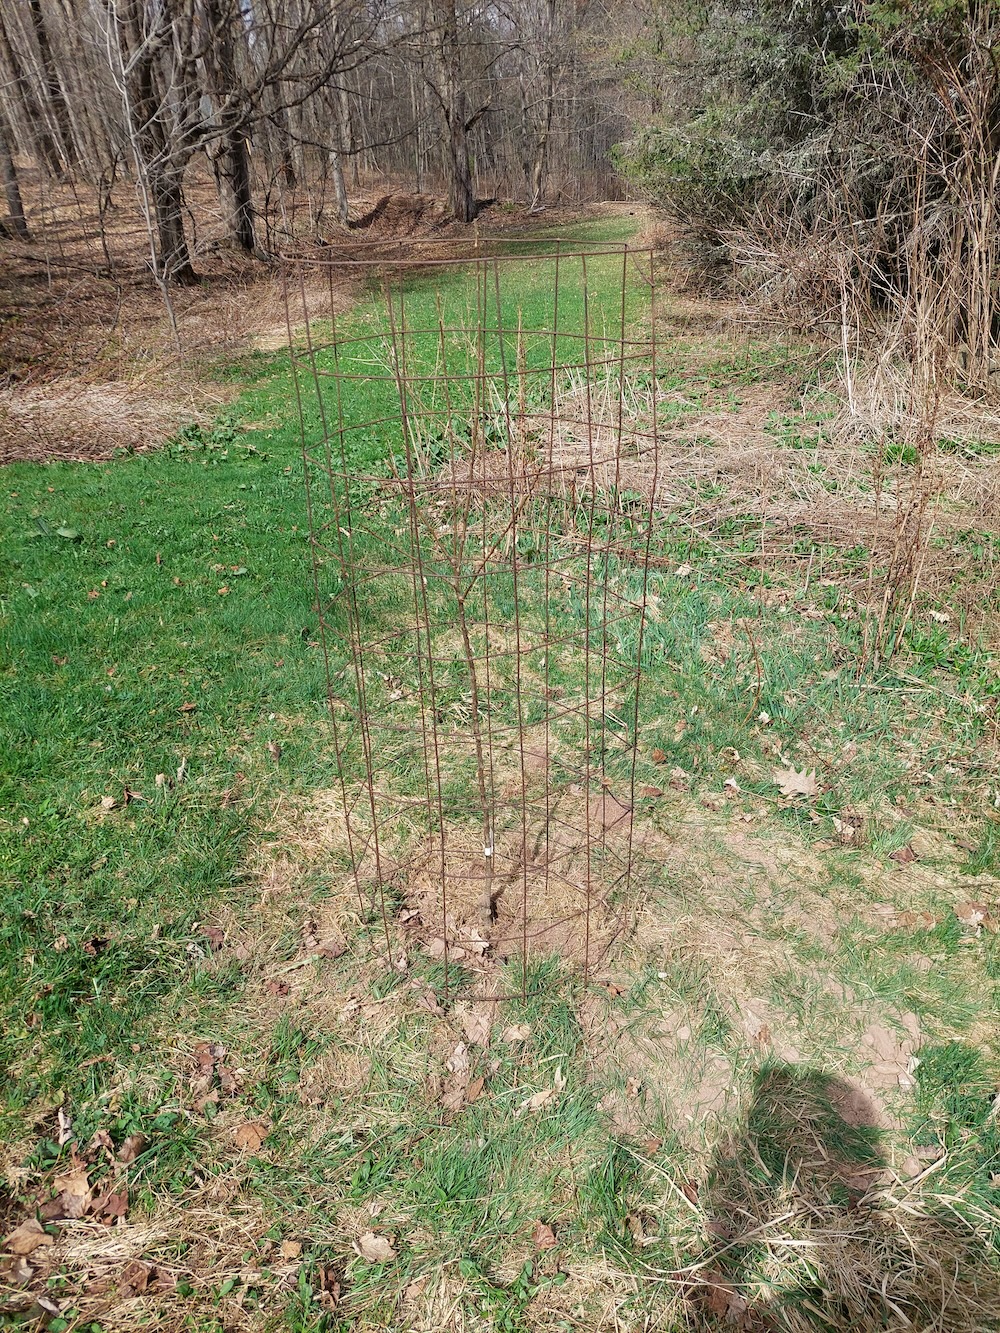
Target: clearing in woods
{"points": [[772, 1105]]}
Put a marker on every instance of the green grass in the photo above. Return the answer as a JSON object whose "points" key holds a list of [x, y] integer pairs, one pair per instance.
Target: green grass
{"points": [[174, 626]]}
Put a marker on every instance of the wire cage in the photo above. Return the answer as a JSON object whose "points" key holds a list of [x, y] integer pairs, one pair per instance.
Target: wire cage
{"points": [[479, 441]]}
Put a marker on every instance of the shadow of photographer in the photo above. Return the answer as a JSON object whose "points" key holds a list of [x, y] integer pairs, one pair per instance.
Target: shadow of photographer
{"points": [[811, 1230]]}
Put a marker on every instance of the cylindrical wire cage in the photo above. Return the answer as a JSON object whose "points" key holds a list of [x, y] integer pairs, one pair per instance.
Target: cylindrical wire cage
{"points": [[479, 440]]}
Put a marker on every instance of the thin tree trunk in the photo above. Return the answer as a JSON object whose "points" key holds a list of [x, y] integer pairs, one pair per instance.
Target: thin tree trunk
{"points": [[232, 159], [168, 203], [339, 186], [548, 101], [12, 191], [461, 196], [45, 144], [53, 88]]}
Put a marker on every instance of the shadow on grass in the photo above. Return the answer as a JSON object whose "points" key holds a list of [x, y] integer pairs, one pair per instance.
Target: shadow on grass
{"points": [[811, 1230]]}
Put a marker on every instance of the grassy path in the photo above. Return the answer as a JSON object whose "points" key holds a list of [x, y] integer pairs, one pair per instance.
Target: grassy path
{"points": [[165, 846]]}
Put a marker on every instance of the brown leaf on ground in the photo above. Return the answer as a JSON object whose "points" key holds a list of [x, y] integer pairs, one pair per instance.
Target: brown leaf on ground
{"points": [[689, 1188], [903, 855], [331, 946], [659, 756], [290, 1249], [719, 1297], [543, 1237], [474, 1091], [215, 935], [134, 1279], [517, 1032], [537, 1100], [276, 987], [374, 1249], [73, 1192], [648, 790], [101, 1139], [791, 782], [131, 1148], [456, 1085], [249, 1137], [187, 708], [476, 1023], [27, 1238], [429, 1002], [65, 1127], [106, 1207], [975, 915], [17, 1271]]}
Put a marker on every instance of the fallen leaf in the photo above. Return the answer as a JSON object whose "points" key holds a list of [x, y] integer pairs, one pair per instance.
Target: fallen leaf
{"points": [[682, 571], [976, 915], [474, 1091], [331, 947], [73, 1192], [536, 1101], [108, 1206], [375, 1249], [651, 1146], [429, 1001], [791, 782], [290, 1249], [250, 1136], [543, 1237], [215, 935], [26, 1238], [224, 591], [903, 855], [659, 756], [131, 1148], [277, 988], [274, 750], [458, 1061], [476, 1023], [649, 790], [100, 1139], [187, 708], [108, 802], [689, 1188], [64, 1120], [19, 1271], [721, 1298], [135, 1278], [517, 1032]]}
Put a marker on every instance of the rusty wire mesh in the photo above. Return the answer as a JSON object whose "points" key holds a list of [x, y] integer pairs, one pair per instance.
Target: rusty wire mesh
{"points": [[481, 504]]}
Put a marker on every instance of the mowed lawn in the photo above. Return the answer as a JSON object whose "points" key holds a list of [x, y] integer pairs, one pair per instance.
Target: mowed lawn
{"points": [[775, 1106]]}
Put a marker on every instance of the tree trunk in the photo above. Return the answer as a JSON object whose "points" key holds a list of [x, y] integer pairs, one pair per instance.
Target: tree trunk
{"points": [[15, 205], [45, 145], [548, 101], [339, 186], [53, 88], [451, 94], [232, 158], [168, 203], [159, 162]]}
